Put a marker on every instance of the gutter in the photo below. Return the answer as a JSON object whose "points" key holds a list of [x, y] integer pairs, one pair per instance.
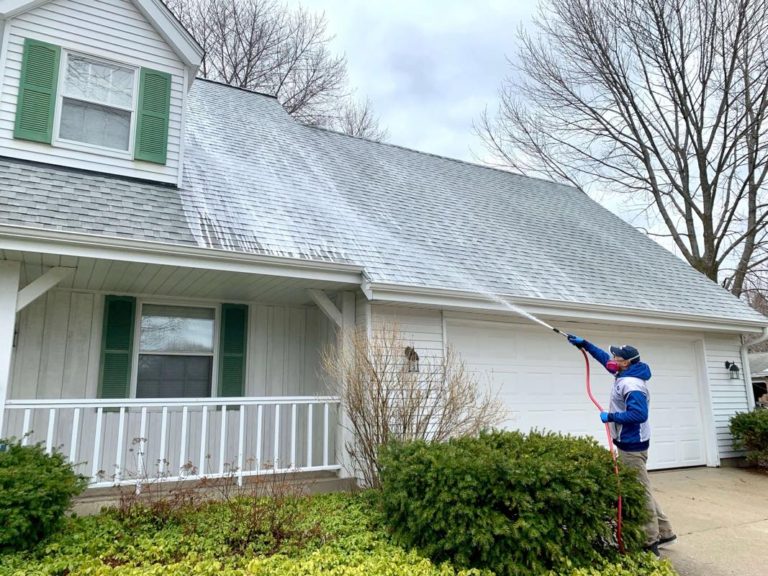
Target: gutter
{"points": [[744, 351], [22, 238], [476, 302]]}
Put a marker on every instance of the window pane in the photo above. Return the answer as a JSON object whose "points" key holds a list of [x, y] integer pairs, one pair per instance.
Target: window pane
{"points": [[104, 83], [174, 376], [92, 124], [176, 329]]}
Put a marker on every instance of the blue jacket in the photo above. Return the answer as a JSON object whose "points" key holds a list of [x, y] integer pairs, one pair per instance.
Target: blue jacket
{"points": [[630, 400]]}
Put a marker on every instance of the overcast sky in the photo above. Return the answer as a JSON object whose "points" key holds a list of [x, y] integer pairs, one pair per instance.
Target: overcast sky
{"points": [[428, 66]]}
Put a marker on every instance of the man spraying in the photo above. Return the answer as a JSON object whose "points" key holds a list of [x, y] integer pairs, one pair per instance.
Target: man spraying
{"points": [[630, 430]]}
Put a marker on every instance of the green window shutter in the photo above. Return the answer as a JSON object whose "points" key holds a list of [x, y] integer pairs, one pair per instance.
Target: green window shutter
{"points": [[151, 142], [36, 104], [234, 338], [117, 346]]}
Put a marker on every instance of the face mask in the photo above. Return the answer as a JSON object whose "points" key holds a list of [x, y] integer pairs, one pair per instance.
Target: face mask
{"points": [[612, 366]]}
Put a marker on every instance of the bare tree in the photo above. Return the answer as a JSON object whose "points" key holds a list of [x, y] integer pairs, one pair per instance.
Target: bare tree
{"points": [[357, 118], [261, 45], [664, 100], [389, 393]]}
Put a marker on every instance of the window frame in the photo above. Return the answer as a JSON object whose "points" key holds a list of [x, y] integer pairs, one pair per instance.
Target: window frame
{"points": [[57, 141], [136, 352]]}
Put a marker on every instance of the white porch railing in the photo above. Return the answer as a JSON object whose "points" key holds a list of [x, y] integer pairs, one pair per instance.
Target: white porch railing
{"points": [[117, 442]]}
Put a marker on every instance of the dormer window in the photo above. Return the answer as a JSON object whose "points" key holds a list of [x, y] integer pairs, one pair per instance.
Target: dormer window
{"points": [[82, 102], [97, 103]]}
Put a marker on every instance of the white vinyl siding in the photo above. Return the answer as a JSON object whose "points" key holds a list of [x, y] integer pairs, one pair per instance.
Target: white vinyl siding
{"points": [[422, 328], [117, 32], [728, 396]]}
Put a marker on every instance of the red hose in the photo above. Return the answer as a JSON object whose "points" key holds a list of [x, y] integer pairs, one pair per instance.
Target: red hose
{"points": [[619, 539]]}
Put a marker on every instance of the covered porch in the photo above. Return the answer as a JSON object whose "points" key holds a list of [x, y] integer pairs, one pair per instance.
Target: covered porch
{"points": [[142, 362]]}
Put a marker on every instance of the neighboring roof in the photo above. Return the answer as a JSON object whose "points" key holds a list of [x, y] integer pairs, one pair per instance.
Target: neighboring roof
{"points": [[256, 181], [155, 11], [758, 364]]}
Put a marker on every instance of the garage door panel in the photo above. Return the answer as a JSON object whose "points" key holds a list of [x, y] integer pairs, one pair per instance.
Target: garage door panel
{"points": [[541, 382]]}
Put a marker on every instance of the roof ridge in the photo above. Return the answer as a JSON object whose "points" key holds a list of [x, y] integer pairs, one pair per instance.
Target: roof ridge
{"points": [[400, 146], [225, 85]]}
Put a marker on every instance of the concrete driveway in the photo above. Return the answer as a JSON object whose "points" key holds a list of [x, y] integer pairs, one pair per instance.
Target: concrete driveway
{"points": [[720, 516]]}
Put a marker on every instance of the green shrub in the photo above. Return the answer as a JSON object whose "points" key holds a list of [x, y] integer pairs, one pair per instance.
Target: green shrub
{"points": [[35, 491], [354, 544], [512, 503], [633, 565], [750, 432]]}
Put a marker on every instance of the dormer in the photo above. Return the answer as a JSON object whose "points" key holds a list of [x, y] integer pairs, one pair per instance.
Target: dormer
{"points": [[98, 85]]}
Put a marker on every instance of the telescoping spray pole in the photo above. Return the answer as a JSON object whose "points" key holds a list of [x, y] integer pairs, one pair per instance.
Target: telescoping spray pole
{"points": [[619, 539]]}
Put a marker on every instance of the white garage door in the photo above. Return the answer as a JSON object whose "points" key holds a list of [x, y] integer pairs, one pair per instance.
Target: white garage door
{"points": [[540, 378]]}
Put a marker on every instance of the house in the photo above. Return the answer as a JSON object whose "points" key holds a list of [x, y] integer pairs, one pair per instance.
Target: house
{"points": [[174, 253], [758, 364]]}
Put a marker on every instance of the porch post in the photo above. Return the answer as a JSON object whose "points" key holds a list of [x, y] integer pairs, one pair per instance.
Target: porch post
{"points": [[344, 430], [9, 288]]}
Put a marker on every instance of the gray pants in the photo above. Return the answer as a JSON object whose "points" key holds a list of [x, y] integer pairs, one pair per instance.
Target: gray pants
{"points": [[658, 525]]}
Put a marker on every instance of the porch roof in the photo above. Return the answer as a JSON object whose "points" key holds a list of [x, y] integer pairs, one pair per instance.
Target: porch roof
{"points": [[257, 182]]}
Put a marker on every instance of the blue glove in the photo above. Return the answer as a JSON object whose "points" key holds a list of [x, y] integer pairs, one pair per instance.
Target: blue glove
{"points": [[605, 417], [576, 341]]}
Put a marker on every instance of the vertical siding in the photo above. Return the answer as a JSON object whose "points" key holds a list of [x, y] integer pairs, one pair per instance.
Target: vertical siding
{"points": [[58, 349], [58, 354], [284, 351], [362, 312], [56, 346], [728, 396], [115, 30]]}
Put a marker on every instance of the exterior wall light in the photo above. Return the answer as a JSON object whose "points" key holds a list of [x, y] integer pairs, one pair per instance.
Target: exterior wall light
{"points": [[413, 359], [733, 369]]}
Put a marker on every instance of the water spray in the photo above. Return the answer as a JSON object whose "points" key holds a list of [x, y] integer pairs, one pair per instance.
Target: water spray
{"points": [[529, 316]]}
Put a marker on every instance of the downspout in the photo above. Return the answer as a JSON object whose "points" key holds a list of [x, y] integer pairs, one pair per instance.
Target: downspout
{"points": [[744, 350]]}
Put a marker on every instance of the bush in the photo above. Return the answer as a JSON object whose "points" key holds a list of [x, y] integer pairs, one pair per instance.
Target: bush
{"points": [[508, 502], [750, 432], [35, 491], [354, 543], [385, 399], [634, 565]]}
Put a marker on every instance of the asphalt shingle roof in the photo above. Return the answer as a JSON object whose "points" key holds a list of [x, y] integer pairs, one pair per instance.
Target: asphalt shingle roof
{"points": [[74, 201], [257, 181]]}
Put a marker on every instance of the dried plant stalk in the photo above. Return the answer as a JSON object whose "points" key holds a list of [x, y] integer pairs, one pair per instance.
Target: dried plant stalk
{"points": [[385, 400]]}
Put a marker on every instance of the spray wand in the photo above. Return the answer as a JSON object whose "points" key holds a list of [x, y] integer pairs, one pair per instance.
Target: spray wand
{"points": [[533, 318]]}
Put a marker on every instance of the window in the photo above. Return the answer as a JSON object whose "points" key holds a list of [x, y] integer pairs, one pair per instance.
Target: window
{"points": [[175, 352], [77, 101], [97, 103]]}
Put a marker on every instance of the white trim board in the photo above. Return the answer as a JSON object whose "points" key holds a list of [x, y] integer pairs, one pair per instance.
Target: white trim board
{"points": [[466, 301], [91, 246], [177, 37]]}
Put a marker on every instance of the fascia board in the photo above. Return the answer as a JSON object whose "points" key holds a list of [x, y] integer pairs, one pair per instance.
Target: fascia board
{"points": [[11, 8], [466, 301], [92, 246], [172, 31]]}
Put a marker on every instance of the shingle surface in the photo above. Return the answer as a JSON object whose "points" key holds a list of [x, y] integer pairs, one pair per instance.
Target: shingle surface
{"points": [[72, 201], [256, 181]]}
